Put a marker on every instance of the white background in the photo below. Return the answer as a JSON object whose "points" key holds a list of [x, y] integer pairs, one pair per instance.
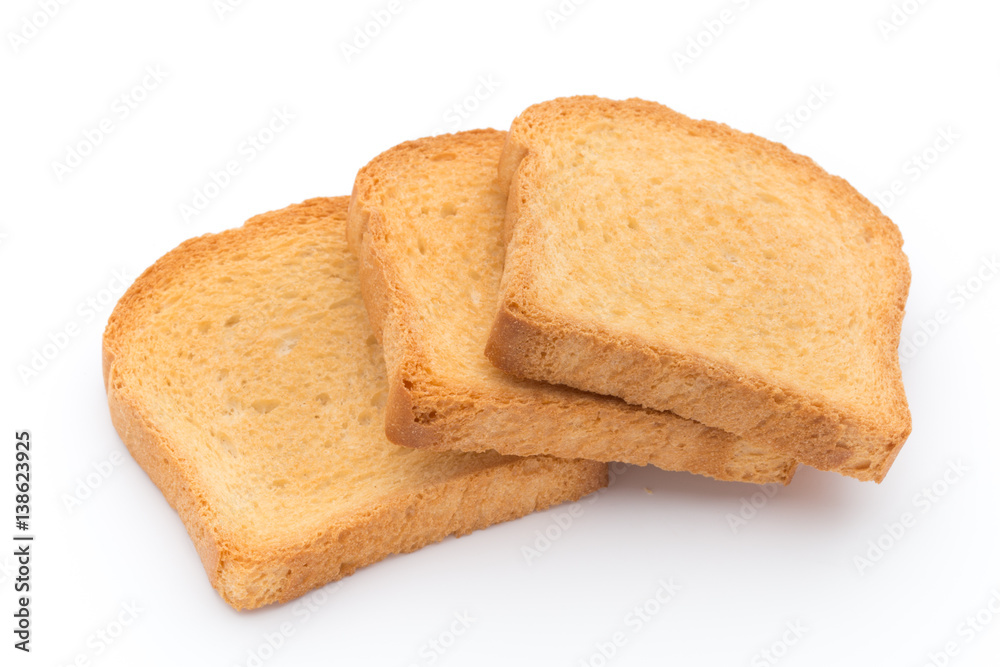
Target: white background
{"points": [[887, 96]]}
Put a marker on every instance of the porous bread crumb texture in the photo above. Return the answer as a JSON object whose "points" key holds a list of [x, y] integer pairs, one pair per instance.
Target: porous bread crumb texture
{"points": [[684, 266], [426, 219], [244, 378]]}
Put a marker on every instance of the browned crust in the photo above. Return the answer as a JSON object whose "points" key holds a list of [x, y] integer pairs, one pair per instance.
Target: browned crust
{"points": [[532, 341], [249, 575], [439, 413], [153, 453]]}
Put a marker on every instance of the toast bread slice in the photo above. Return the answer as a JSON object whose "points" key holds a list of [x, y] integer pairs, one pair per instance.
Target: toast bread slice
{"points": [[682, 265], [243, 377], [426, 220]]}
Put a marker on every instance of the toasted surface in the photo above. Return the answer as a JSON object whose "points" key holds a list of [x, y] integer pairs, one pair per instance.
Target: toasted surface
{"points": [[685, 266], [244, 378], [426, 219]]}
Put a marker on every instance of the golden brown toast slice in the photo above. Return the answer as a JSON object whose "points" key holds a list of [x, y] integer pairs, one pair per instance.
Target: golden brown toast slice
{"points": [[685, 266], [243, 377]]}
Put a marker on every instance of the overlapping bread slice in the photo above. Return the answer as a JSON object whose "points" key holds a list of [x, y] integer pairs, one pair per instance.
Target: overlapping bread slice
{"points": [[426, 220], [244, 378], [684, 266]]}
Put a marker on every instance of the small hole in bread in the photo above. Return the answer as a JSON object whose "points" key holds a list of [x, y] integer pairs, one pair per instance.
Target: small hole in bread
{"points": [[264, 406], [426, 417], [228, 445], [286, 342]]}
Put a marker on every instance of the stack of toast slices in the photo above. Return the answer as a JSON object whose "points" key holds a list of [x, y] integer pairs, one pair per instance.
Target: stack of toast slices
{"points": [[489, 320]]}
